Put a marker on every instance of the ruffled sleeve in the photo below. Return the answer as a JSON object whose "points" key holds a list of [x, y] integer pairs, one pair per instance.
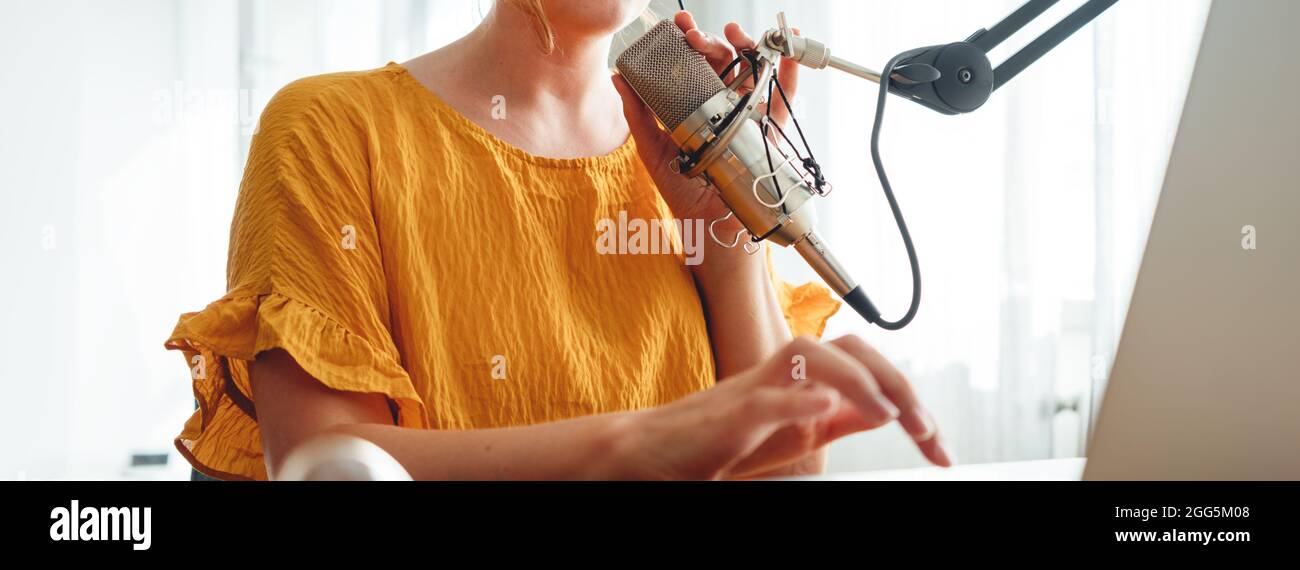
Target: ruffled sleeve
{"points": [[806, 307], [304, 275]]}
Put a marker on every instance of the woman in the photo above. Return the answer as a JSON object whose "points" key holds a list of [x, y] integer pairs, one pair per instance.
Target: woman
{"points": [[412, 263]]}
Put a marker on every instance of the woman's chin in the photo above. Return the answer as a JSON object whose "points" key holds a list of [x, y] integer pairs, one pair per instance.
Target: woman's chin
{"points": [[603, 17]]}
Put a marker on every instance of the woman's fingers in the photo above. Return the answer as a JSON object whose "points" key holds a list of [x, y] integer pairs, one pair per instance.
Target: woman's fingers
{"points": [[714, 50], [778, 424], [721, 53], [891, 383], [738, 38], [779, 406], [847, 400], [787, 73], [685, 21], [740, 41], [826, 364], [718, 53], [763, 411], [916, 421]]}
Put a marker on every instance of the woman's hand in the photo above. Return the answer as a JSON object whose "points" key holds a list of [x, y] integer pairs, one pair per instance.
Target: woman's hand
{"points": [[767, 417], [690, 199]]}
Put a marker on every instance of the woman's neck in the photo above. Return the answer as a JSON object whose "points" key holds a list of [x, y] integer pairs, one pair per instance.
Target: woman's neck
{"points": [[507, 45], [559, 104]]}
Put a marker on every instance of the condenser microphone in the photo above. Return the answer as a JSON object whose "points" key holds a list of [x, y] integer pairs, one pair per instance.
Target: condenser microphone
{"points": [[722, 138]]}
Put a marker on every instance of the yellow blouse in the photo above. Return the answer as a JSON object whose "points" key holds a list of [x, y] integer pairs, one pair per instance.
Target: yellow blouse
{"points": [[392, 246]]}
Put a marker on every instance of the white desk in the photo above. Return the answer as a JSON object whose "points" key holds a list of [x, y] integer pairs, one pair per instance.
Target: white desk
{"points": [[1043, 470]]}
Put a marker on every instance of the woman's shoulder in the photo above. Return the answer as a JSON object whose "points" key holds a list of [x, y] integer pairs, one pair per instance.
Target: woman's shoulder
{"points": [[330, 101], [316, 137]]}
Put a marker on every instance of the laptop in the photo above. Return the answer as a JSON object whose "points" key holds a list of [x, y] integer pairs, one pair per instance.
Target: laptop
{"points": [[1206, 381]]}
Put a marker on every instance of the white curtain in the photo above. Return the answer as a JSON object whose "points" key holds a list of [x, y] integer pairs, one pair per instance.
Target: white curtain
{"points": [[130, 123]]}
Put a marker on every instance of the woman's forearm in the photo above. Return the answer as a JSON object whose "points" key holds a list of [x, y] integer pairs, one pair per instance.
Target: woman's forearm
{"points": [[745, 322], [587, 448], [294, 409]]}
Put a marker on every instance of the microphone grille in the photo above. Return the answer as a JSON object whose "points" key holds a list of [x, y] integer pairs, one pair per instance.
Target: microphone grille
{"points": [[672, 78]]}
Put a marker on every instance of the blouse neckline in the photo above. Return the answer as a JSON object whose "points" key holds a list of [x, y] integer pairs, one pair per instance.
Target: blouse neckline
{"points": [[616, 158]]}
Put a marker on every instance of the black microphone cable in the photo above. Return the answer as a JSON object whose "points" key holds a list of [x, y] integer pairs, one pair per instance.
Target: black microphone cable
{"points": [[893, 203]]}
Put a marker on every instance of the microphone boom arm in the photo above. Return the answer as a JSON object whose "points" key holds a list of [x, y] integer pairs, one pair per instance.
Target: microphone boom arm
{"points": [[954, 78]]}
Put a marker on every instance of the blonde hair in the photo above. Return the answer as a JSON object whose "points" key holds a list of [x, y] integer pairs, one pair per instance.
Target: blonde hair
{"points": [[541, 25]]}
